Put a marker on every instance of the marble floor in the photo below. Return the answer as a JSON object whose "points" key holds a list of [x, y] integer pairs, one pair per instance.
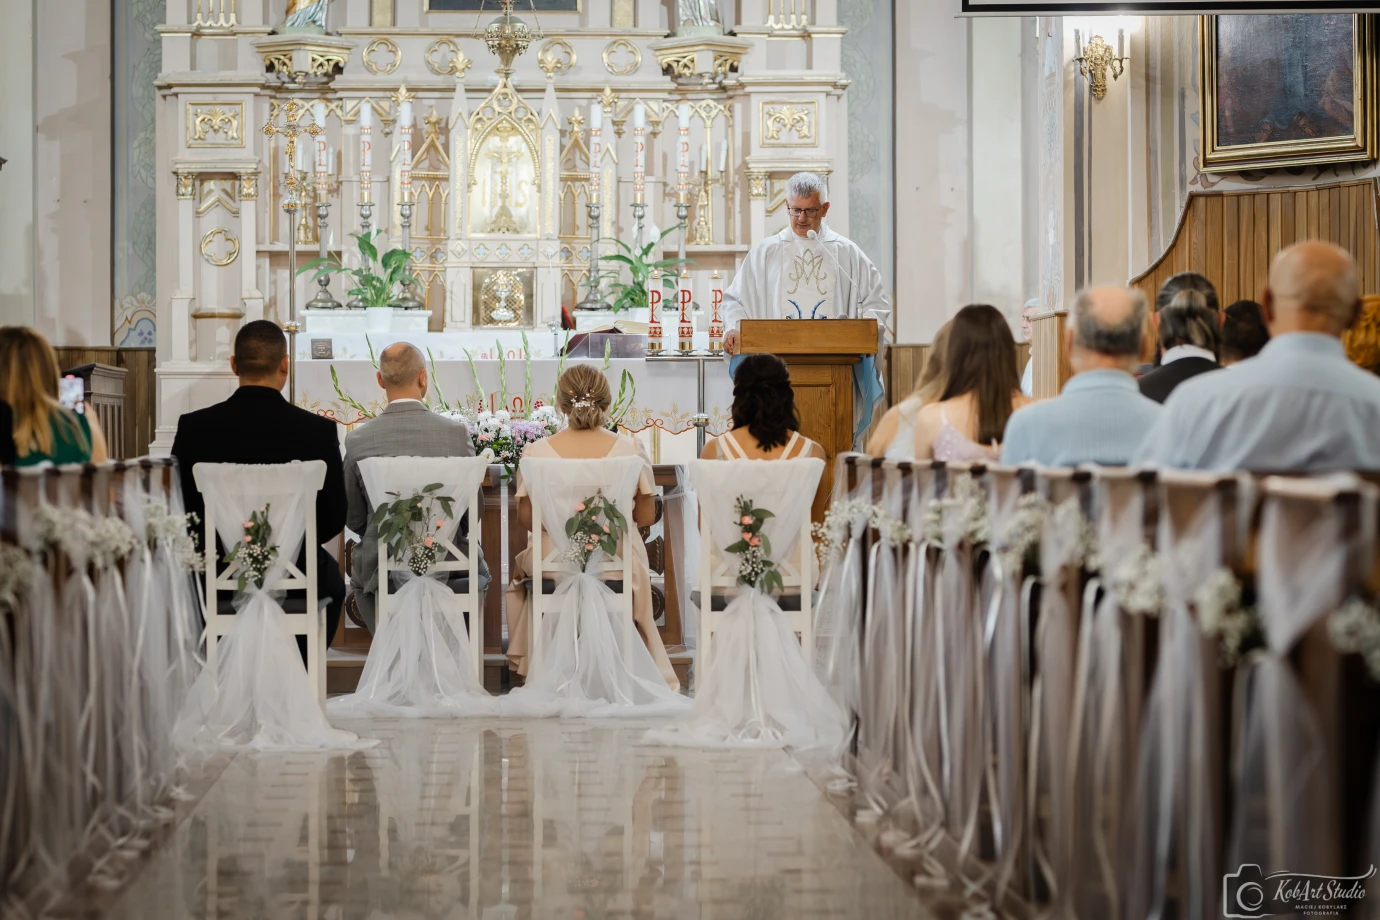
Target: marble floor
{"points": [[514, 819]]}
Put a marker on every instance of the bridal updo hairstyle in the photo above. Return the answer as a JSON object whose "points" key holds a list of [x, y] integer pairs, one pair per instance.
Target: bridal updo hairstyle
{"points": [[583, 397], [763, 401]]}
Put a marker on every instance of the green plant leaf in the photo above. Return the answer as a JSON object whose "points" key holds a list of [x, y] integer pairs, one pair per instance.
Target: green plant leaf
{"points": [[367, 248], [431, 488], [740, 546]]}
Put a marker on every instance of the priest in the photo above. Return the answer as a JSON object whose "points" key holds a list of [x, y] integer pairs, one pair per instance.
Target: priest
{"points": [[808, 271]]}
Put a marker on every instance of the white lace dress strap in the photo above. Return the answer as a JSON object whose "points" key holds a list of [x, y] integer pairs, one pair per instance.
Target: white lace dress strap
{"points": [[732, 448]]}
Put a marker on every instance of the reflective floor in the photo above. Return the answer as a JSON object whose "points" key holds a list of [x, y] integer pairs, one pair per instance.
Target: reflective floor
{"points": [[534, 819]]}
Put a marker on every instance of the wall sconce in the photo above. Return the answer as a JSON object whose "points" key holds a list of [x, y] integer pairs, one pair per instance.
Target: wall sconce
{"points": [[1096, 59]]}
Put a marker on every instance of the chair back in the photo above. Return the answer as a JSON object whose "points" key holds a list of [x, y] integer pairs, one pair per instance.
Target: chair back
{"points": [[555, 485], [234, 490], [387, 479], [784, 487]]}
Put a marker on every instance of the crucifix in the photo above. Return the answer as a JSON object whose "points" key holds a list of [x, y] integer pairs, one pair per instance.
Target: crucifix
{"points": [[503, 220]]}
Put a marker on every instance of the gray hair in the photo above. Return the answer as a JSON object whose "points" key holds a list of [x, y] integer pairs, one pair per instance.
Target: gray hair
{"points": [[805, 184], [1123, 338], [1188, 320], [400, 363]]}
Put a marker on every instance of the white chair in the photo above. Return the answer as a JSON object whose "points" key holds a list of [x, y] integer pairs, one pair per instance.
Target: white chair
{"points": [[288, 480], [718, 574], [470, 473], [580, 478]]}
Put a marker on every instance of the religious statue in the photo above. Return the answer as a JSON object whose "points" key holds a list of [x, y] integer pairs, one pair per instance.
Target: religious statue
{"points": [[698, 17], [307, 16]]}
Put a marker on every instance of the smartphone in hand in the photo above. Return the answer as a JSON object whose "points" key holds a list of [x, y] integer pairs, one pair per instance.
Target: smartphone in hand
{"points": [[72, 393]]}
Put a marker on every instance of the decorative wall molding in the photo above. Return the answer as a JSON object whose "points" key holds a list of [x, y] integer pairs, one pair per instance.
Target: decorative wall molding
{"points": [[786, 123], [388, 46], [557, 56], [444, 57], [620, 48], [208, 243], [215, 124]]}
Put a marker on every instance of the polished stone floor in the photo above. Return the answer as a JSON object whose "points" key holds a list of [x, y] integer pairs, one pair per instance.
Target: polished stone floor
{"points": [[514, 819]]}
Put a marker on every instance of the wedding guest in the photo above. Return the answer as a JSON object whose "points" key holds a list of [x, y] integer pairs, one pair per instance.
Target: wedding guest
{"points": [[894, 436], [1362, 341], [583, 397], [1243, 332], [766, 423], [1189, 339], [982, 390], [1178, 284], [1101, 416], [1298, 406], [406, 428], [42, 429], [1032, 307], [257, 425]]}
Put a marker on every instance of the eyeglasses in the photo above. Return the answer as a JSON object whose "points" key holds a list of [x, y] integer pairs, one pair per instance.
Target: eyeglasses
{"points": [[803, 212]]}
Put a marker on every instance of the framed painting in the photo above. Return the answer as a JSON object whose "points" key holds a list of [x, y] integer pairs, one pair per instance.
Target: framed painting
{"points": [[493, 6], [1286, 90]]}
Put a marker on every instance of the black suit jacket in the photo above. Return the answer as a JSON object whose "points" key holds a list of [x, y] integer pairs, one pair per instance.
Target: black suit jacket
{"points": [[257, 425], [7, 455], [1160, 382]]}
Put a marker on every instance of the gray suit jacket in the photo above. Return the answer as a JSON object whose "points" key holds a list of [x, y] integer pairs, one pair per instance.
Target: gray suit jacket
{"points": [[407, 429]]}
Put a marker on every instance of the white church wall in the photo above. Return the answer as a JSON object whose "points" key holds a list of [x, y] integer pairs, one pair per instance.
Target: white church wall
{"points": [[17, 41], [72, 172]]}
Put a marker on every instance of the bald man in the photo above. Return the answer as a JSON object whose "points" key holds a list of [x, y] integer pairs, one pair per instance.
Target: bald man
{"points": [[406, 428], [1299, 405], [1101, 416]]}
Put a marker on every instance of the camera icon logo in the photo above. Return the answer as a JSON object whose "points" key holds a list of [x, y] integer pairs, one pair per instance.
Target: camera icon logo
{"points": [[1243, 894]]}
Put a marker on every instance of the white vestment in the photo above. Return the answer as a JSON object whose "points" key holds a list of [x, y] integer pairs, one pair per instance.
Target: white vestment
{"points": [[786, 276]]}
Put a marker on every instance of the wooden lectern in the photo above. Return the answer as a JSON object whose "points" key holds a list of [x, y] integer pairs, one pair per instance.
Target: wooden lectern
{"points": [[820, 355]]}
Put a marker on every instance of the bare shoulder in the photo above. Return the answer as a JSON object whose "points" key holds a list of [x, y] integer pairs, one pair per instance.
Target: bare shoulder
{"points": [[817, 451], [711, 450]]}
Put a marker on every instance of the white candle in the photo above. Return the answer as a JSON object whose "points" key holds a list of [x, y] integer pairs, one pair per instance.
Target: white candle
{"points": [[299, 156], [639, 115], [704, 158], [405, 132], [639, 152], [318, 114], [723, 155], [683, 151], [683, 116], [596, 116], [366, 151]]}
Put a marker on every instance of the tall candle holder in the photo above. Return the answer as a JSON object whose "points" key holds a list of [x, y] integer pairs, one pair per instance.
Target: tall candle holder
{"points": [[685, 330], [323, 299], [292, 202], [594, 290], [704, 208], [408, 300], [654, 334]]}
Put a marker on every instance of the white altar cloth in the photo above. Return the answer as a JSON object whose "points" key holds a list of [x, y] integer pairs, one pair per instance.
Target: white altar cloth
{"points": [[665, 395]]}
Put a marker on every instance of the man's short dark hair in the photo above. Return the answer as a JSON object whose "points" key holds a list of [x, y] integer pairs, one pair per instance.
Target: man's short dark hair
{"points": [[260, 347]]}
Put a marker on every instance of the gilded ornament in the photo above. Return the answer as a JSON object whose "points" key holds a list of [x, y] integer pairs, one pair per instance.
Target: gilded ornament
{"points": [[788, 118], [381, 44], [215, 14], [218, 193], [278, 62], [326, 63], [620, 47], [186, 185], [222, 119], [249, 186], [230, 255], [556, 56], [682, 65], [446, 57], [757, 185], [725, 64], [608, 99]]}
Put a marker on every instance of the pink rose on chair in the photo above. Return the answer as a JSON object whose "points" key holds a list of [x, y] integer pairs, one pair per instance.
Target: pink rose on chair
{"points": [[427, 541], [580, 506], [747, 536], [755, 541], [247, 538], [747, 519]]}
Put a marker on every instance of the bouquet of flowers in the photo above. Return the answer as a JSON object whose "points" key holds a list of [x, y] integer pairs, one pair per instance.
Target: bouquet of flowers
{"points": [[408, 526], [755, 569], [177, 530], [256, 551], [502, 437], [596, 524]]}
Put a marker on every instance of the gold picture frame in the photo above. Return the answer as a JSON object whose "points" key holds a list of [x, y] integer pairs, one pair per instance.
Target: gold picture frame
{"points": [[1310, 134]]}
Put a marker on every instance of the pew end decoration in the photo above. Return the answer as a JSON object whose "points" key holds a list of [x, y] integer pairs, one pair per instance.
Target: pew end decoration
{"points": [[256, 551], [755, 568], [596, 525]]}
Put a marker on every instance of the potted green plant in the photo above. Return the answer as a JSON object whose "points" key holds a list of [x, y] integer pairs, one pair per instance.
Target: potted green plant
{"points": [[376, 280], [632, 294]]}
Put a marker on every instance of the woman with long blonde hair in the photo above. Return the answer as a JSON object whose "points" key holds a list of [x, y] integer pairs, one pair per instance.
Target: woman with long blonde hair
{"points": [[42, 428], [894, 436]]}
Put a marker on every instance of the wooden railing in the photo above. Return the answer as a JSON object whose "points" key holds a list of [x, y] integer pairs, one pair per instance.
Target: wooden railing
{"points": [[1230, 237]]}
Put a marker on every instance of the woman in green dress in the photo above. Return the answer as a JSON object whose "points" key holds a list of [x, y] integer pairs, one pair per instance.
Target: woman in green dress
{"points": [[43, 430]]}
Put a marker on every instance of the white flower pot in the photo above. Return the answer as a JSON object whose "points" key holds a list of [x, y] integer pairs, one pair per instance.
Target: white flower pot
{"points": [[378, 319]]}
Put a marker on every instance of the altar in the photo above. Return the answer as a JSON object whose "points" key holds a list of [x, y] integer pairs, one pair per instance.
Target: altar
{"points": [[526, 172]]}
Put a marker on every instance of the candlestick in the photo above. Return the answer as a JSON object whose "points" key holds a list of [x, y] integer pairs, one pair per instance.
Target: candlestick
{"points": [[596, 150], [685, 331], [704, 208], [323, 299], [654, 335], [716, 324], [366, 152], [704, 158], [683, 150], [723, 155], [405, 136], [639, 153]]}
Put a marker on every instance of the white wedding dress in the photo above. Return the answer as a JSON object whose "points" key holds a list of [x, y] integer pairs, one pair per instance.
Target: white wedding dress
{"points": [[591, 660], [421, 662], [758, 689], [257, 694]]}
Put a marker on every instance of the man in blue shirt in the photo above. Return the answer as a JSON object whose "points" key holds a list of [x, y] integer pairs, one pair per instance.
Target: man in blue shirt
{"points": [[1299, 405], [1101, 415]]}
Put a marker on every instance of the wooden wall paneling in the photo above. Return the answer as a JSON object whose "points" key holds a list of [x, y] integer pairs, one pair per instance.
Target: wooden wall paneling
{"points": [[1246, 235], [1052, 369], [1314, 210], [1213, 229], [1230, 290], [141, 387], [1261, 257], [1344, 230], [1274, 243], [1287, 231], [1198, 241]]}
